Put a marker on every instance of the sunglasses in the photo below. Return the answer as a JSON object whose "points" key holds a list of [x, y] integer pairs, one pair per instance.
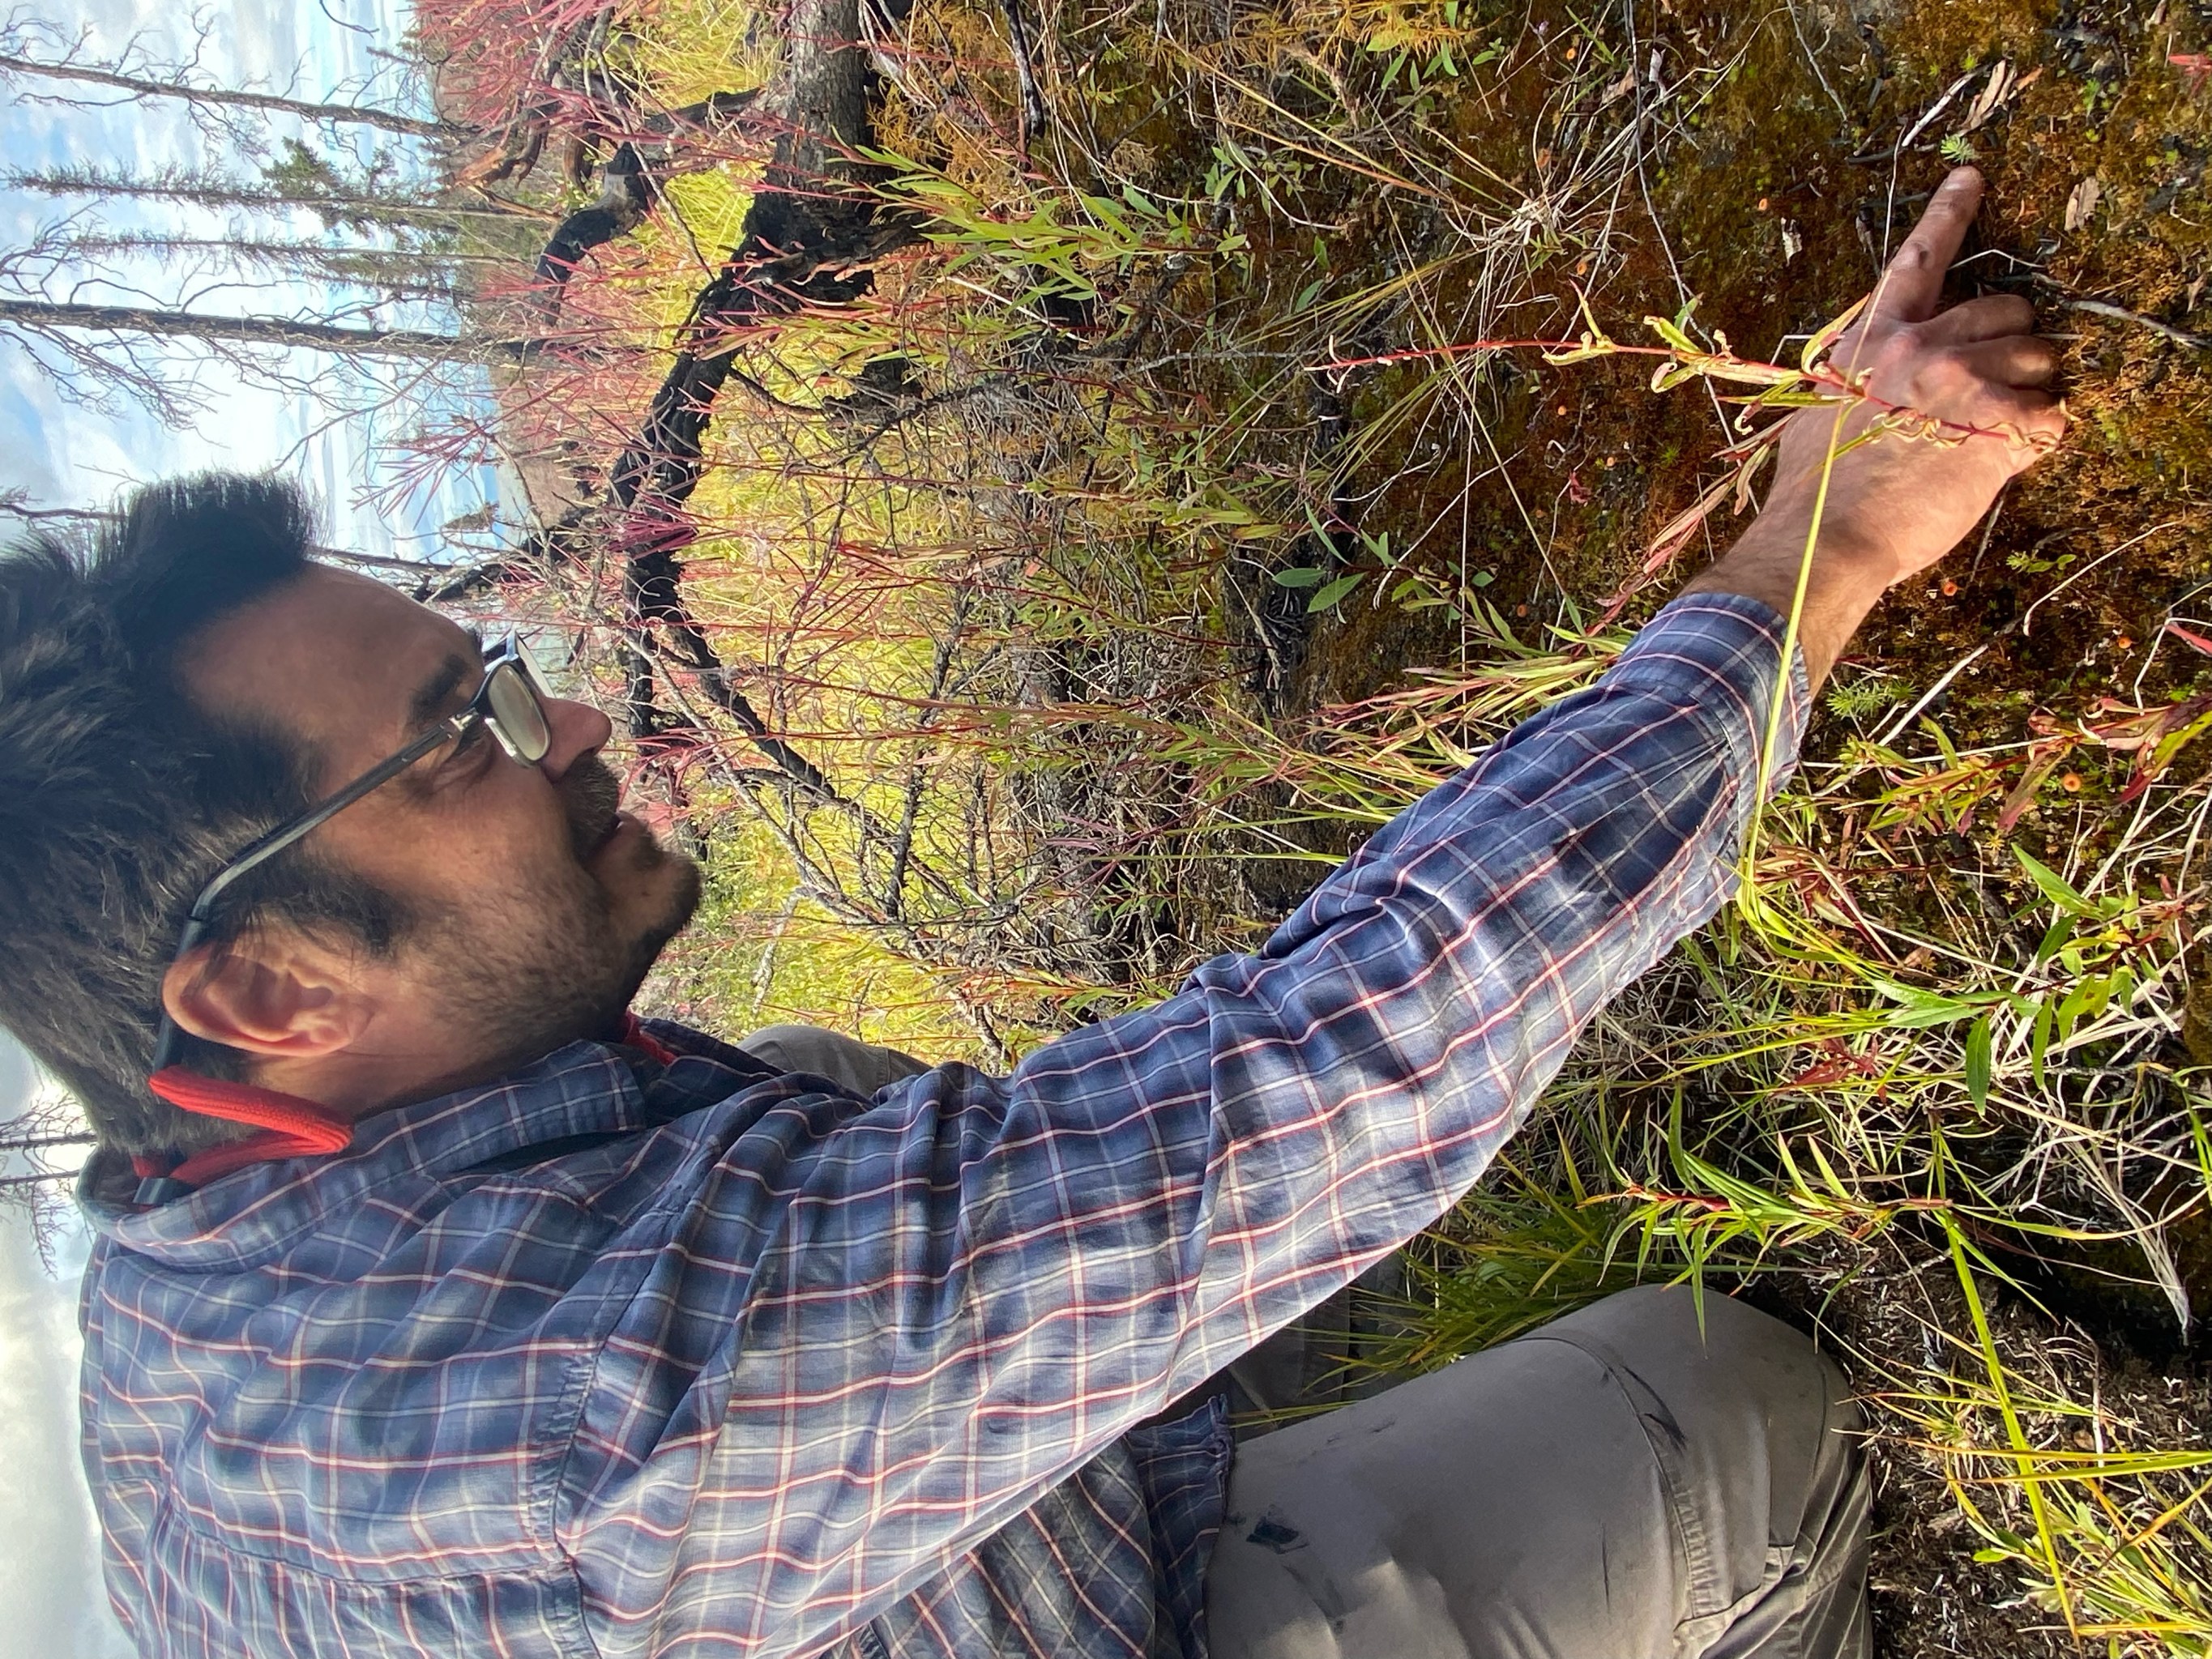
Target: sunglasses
{"points": [[510, 705]]}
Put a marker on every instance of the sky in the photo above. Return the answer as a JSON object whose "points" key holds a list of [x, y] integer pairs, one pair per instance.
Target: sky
{"points": [[49, 1560], [62, 454]]}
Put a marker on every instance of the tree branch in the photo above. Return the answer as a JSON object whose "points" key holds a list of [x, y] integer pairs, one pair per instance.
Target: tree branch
{"points": [[625, 194], [264, 103], [38, 315]]}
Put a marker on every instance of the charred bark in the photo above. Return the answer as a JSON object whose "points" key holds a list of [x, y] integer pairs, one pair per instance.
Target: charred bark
{"points": [[625, 196], [807, 240], [628, 186]]}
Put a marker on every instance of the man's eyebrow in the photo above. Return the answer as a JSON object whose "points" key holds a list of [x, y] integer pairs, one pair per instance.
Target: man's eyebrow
{"points": [[432, 696]]}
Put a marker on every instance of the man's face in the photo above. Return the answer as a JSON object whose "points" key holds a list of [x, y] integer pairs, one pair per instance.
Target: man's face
{"points": [[535, 905]]}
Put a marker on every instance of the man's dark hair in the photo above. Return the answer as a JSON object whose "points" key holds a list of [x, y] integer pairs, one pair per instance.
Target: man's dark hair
{"points": [[119, 799]]}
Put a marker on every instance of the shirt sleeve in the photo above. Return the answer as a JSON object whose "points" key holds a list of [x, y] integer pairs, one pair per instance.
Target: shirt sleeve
{"points": [[855, 1339]]}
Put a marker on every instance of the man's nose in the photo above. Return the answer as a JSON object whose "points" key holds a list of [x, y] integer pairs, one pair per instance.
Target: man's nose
{"points": [[577, 730]]}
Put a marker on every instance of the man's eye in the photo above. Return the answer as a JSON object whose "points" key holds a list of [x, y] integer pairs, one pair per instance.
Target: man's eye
{"points": [[466, 749]]}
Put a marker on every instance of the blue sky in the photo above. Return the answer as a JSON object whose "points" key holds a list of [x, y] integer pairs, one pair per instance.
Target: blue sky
{"points": [[63, 455]]}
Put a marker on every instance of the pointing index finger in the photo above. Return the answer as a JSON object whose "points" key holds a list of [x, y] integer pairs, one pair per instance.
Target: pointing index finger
{"points": [[1914, 282]]}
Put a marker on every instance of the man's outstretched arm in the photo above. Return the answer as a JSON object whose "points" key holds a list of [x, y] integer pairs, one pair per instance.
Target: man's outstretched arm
{"points": [[902, 1323]]}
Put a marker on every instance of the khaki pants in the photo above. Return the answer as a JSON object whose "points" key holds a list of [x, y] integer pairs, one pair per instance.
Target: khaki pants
{"points": [[846, 1061], [1616, 1485]]}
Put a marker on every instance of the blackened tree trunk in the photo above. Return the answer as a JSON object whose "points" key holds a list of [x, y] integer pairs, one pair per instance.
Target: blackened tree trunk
{"points": [[807, 241]]}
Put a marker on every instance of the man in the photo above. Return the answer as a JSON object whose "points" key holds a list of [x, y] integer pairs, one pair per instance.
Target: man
{"points": [[515, 1327]]}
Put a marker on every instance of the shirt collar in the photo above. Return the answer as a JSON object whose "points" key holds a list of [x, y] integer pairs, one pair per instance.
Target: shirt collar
{"points": [[585, 1088]]}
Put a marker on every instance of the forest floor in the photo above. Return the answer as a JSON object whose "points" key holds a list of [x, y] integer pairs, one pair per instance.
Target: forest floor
{"points": [[1161, 523]]}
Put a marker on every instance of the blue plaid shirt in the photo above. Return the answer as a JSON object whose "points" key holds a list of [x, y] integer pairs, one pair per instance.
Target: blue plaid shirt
{"points": [[625, 1355]]}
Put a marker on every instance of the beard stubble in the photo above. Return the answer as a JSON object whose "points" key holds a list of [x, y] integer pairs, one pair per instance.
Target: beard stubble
{"points": [[547, 963]]}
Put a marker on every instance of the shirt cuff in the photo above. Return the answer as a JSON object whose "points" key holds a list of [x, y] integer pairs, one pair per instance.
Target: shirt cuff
{"points": [[1718, 655]]}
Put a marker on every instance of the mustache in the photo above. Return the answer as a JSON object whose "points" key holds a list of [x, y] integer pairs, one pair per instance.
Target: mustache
{"points": [[590, 794]]}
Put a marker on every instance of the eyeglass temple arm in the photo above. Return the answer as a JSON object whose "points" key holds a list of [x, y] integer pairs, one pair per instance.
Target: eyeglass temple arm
{"points": [[197, 919]]}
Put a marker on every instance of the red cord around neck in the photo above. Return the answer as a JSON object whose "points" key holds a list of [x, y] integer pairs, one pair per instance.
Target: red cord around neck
{"points": [[635, 1035], [290, 1126]]}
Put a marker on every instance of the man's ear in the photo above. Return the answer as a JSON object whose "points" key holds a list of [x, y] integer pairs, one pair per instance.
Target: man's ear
{"points": [[274, 993]]}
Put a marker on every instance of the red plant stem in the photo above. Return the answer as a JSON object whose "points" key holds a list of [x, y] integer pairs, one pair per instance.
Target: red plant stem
{"points": [[1415, 354], [1823, 376]]}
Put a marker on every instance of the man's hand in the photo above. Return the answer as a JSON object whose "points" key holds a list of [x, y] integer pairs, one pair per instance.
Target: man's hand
{"points": [[1897, 503], [1977, 367]]}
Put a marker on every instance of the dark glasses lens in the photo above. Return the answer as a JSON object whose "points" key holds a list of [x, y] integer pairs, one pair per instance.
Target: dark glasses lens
{"points": [[516, 717]]}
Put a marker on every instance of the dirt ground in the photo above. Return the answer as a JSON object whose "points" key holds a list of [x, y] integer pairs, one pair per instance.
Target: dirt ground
{"points": [[1773, 210]]}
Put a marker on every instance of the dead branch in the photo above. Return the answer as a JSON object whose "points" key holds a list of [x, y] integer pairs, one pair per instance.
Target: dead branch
{"points": [[807, 240], [42, 316], [1032, 117], [625, 194], [140, 85], [521, 142]]}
